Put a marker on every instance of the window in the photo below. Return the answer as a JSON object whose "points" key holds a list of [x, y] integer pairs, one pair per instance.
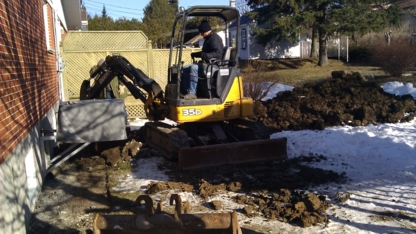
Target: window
{"points": [[48, 26], [243, 39]]}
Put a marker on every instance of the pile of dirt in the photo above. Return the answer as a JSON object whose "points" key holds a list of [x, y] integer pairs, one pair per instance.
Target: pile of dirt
{"points": [[263, 181], [155, 187], [346, 99], [292, 174], [116, 154], [276, 191], [290, 207]]}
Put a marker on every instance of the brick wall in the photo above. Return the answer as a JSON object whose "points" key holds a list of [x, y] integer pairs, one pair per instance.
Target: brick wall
{"points": [[28, 77]]}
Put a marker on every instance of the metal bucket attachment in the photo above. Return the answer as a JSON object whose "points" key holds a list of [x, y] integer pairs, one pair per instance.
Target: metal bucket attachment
{"points": [[167, 223], [91, 121], [232, 153]]}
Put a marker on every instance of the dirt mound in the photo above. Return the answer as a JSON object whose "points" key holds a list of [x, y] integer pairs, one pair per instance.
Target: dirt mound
{"points": [[274, 190], [297, 208], [293, 173], [346, 99], [155, 187]]}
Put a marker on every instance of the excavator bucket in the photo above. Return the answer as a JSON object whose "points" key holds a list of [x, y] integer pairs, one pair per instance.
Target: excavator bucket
{"points": [[162, 222], [232, 153]]}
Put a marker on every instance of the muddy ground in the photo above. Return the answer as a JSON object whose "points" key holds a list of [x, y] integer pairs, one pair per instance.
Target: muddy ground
{"points": [[277, 191]]}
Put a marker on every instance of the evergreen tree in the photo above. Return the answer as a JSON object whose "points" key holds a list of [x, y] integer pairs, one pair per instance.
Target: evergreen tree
{"points": [[158, 18], [104, 12], [284, 20], [98, 23], [242, 7], [394, 15]]}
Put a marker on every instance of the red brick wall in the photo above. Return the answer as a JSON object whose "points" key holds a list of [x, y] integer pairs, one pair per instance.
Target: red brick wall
{"points": [[28, 76]]}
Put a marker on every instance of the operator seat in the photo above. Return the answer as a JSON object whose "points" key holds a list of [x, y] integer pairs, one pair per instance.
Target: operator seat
{"points": [[209, 76]]}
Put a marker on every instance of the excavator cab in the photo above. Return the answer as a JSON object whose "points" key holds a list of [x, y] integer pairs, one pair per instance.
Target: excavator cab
{"points": [[219, 89]]}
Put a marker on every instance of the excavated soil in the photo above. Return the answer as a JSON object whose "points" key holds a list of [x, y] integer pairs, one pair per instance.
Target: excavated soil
{"points": [[344, 99], [275, 191]]}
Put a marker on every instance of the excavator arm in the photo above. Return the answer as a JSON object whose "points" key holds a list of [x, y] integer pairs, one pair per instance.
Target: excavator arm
{"points": [[132, 77]]}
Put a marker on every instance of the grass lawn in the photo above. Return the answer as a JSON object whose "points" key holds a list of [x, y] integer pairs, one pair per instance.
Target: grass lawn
{"points": [[296, 72]]}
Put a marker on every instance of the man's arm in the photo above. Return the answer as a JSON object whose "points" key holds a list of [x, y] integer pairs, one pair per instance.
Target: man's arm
{"points": [[196, 55]]}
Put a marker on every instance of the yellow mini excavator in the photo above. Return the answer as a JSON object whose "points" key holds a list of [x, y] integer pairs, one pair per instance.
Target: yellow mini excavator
{"points": [[212, 129]]}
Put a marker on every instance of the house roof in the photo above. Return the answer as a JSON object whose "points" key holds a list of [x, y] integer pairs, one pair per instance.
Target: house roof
{"points": [[72, 12], [243, 20], [193, 40], [405, 3]]}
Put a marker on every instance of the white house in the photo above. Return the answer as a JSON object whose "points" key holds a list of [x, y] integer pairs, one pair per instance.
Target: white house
{"points": [[249, 49]]}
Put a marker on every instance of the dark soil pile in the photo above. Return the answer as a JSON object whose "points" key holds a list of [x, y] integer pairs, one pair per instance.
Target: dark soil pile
{"points": [[271, 190], [302, 209], [275, 191], [344, 99]]}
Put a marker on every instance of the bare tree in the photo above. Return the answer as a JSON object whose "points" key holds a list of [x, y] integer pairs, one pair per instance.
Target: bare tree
{"points": [[242, 6], [387, 37]]}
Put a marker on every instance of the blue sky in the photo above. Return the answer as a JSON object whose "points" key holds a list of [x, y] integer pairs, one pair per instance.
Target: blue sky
{"points": [[134, 8]]}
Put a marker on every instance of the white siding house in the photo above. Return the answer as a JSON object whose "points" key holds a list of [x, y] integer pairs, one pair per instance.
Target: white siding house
{"points": [[249, 49]]}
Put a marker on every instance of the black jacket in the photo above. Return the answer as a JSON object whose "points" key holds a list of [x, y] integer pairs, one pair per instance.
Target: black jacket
{"points": [[212, 48]]}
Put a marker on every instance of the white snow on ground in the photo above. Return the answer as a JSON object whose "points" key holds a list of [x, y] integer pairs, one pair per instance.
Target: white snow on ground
{"points": [[275, 89], [379, 160], [144, 170], [398, 88]]}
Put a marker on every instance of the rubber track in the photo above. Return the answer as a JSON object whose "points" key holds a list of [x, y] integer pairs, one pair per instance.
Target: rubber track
{"points": [[178, 138], [259, 130]]}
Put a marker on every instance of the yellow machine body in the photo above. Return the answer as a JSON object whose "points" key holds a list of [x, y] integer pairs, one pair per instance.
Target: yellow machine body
{"points": [[234, 106]]}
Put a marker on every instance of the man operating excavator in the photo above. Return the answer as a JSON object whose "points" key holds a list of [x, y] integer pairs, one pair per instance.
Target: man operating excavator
{"points": [[212, 48]]}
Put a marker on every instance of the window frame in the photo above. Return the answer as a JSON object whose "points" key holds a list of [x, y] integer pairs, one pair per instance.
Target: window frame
{"points": [[243, 38], [46, 20]]}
